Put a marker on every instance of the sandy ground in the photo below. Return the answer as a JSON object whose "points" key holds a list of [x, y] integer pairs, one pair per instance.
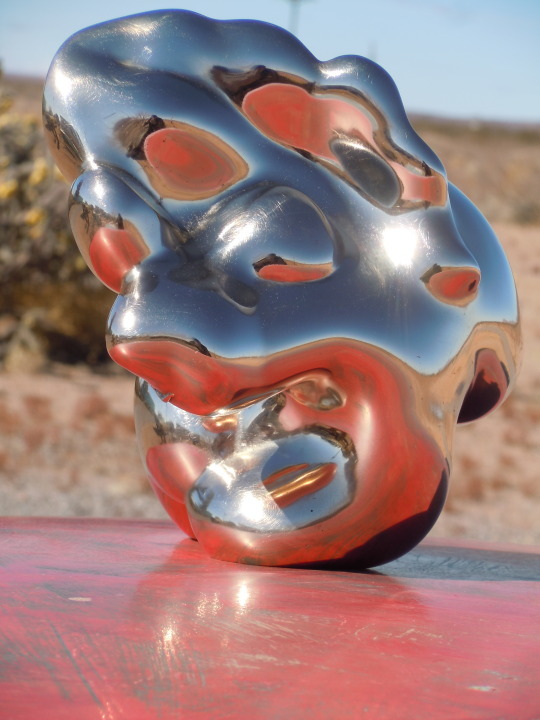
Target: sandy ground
{"points": [[67, 443]]}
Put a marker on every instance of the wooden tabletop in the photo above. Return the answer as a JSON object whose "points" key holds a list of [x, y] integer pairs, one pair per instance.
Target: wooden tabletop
{"points": [[115, 619]]}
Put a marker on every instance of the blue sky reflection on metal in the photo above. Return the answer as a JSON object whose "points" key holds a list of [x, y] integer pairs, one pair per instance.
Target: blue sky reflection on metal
{"points": [[448, 57]]}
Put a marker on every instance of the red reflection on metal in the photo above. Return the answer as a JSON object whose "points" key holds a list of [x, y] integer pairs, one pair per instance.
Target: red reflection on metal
{"points": [[196, 382], [289, 115], [488, 387], [282, 272], [489, 367], [399, 469], [455, 285], [430, 189], [190, 160], [398, 472], [113, 253], [294, 482]]}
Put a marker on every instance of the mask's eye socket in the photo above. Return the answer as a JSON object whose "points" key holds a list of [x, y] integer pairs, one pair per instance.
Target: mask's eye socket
{"points": [[368, 170], [280, 236], [188, 163], [275, 268], [285, 237], [452, 285]]}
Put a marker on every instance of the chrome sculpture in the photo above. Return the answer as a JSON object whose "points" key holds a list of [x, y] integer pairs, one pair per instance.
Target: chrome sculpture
{"points": [[308, 306]]}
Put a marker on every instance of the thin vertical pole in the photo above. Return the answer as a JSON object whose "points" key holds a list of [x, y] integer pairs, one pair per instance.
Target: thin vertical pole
{"points": [[294, 14]]}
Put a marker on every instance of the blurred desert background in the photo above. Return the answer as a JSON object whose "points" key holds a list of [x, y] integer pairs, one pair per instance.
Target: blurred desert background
{"points": [[67, 443]]}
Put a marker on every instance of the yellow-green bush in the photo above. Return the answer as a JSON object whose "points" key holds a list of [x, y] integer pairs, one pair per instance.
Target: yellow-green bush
{"points": [[47, 290]]}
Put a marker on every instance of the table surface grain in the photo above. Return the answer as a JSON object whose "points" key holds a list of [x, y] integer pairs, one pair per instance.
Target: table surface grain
{"points": [[116, 619]]}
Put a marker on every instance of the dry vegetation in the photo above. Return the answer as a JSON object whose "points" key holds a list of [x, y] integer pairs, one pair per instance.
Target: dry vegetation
{"points": [[66, 433]]}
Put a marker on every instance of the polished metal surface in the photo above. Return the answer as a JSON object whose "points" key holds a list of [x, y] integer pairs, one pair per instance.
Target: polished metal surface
{"points": [[309, 306]]}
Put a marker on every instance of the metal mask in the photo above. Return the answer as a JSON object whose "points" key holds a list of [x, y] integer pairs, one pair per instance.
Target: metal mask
{"points": [[308, 305]]}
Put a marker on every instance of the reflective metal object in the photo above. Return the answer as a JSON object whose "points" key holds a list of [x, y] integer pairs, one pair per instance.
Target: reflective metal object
{"points": [[309, 306]]}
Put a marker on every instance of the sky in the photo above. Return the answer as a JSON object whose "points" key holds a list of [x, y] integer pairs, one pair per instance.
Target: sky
{"points": [[475, 59]]}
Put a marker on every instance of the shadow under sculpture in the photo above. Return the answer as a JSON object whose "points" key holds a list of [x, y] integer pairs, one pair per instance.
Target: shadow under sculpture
{"points": [[308, 305]]}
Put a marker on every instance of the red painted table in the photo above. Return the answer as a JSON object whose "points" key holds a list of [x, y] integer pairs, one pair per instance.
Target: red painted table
{"points": [[126, 619]]}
